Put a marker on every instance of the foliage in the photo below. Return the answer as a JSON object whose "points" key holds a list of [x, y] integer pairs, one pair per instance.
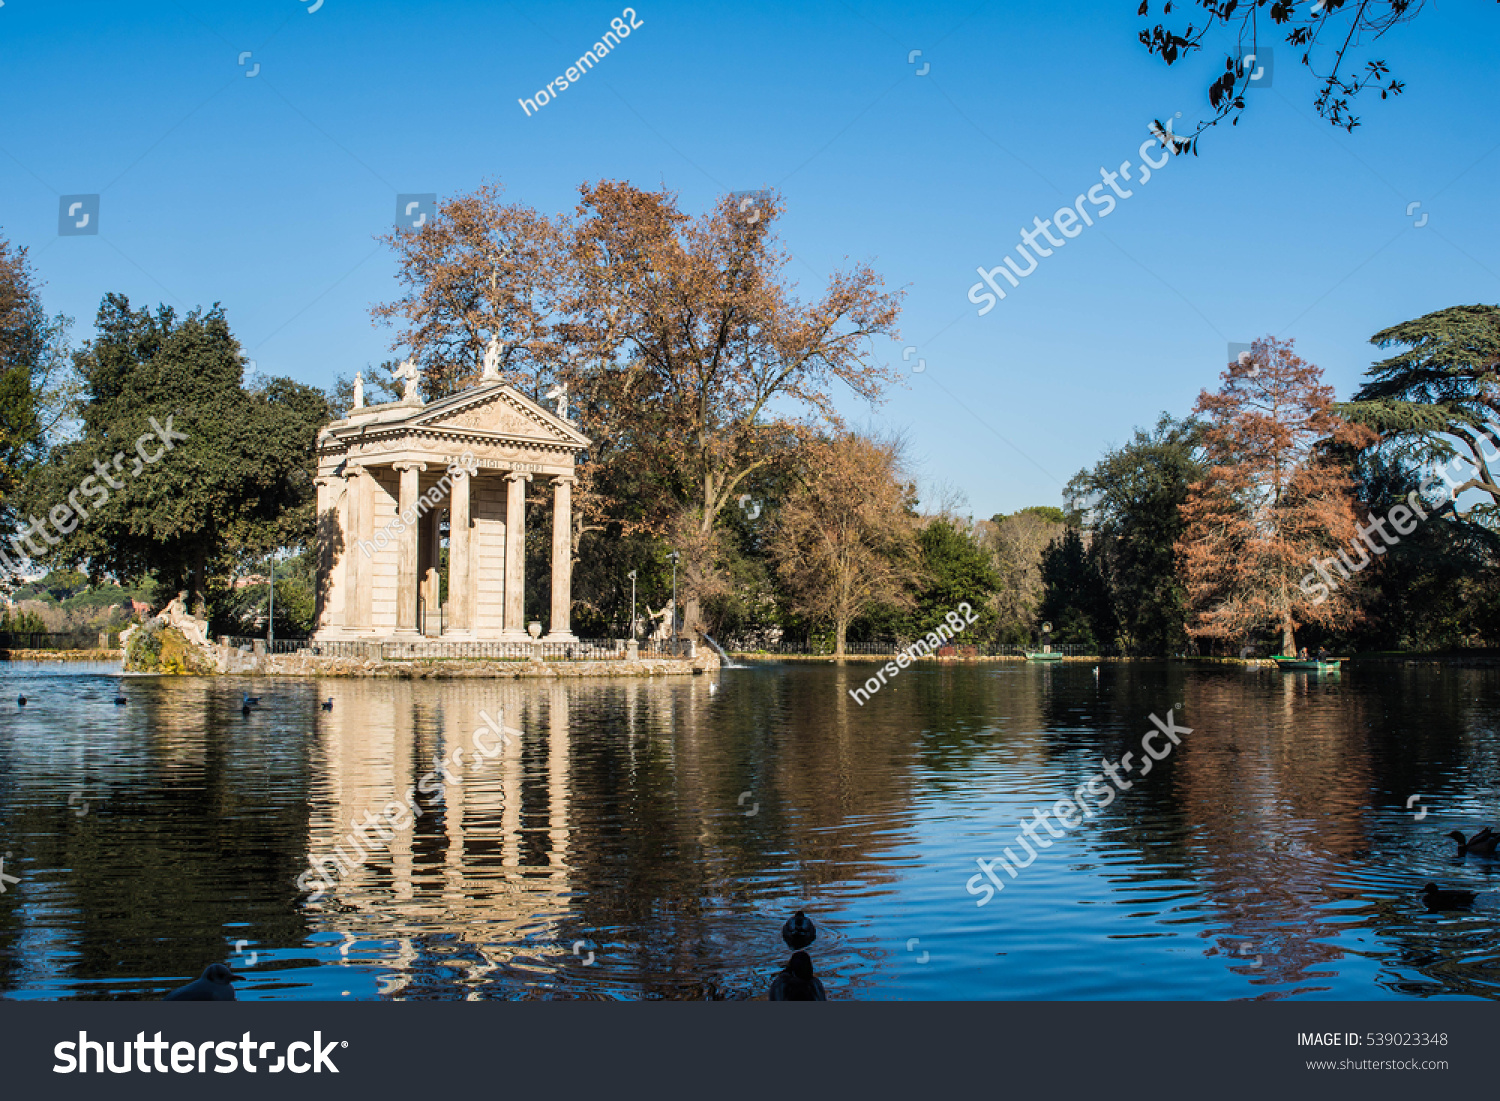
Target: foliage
{"points": [[1323, 36], [241, 610], [240, 482], [1016, 544], [1077, 600], [1275, 496], [1442, 388], [143, 648], [846, 534], [956, 569], [1130, 502], [21, 622], [158, 648], [678, 338], [33, 384], [480, 270]]}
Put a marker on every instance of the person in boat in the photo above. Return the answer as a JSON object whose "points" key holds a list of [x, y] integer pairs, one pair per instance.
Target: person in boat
{"points": [[1322, 653], [1303, 654]]}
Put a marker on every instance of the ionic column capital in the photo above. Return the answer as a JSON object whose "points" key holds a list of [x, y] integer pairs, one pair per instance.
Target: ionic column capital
{"points": [[404, 467], [518, 476]]}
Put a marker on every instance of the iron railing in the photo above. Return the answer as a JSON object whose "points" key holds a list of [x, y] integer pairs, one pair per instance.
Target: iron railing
{"points": [[275, 646], [584, 649], [56, 640]]}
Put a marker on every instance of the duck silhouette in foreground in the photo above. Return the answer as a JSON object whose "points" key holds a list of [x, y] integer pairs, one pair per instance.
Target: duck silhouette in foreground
{"points": [[1437, 898], [1481, 844], [20, 701], [120, 701], [327, 705], [797, 983], [251, 701], [799, 931], [216, 984]]}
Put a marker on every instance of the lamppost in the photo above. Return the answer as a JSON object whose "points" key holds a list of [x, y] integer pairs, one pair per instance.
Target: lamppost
{"points": [[631, 575], [271, 612], [674, 556]]}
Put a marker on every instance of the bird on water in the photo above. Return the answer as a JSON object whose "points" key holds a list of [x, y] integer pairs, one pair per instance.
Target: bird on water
{"points": [[1437, 898], [1482, 843], [214, 985], [327, 704], [20, 701], [797, 983], [799, 931]]}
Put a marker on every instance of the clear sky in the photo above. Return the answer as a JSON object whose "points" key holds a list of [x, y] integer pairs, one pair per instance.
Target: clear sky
{"points": [[265, 192]]}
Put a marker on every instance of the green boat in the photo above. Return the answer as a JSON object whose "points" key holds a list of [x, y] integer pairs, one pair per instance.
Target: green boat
{"points": [[1308, 665], [1039, 656]]}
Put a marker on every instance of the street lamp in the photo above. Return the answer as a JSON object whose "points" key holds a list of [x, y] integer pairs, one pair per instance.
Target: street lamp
{"points": [[271, 612], [674, 556], [631, 575]]}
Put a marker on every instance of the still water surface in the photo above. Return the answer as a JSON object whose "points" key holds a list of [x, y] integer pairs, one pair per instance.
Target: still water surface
{"points": [[664, 830]]}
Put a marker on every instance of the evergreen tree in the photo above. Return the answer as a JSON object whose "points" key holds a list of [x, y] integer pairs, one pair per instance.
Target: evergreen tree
{"points": [[235, 482], [1133, 496], [1439, 398]]}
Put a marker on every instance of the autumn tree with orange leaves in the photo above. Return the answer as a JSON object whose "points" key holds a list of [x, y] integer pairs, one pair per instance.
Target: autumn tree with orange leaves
{"points": [[689, 360], [481, 270], [1276, 496], [687, 330], [846, 536]]}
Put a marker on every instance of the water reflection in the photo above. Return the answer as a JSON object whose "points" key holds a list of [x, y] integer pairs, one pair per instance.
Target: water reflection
{"points": [[645, 839]]}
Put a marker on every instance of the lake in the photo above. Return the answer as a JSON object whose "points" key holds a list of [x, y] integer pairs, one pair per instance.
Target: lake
{"points": [[642, 838]]}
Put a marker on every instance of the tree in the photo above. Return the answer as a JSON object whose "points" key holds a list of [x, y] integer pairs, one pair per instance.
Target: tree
{"points": [[1130, 502], [1076, 597], [1439, 586], [1442, 388], [689, 341], [236, 480], [846, 533], [1326, 35], [1276, 497], [32, 385], [480, 270], [1017, 543], [956, 569]]}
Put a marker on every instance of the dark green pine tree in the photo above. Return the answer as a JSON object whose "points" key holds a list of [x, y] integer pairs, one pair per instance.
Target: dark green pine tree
{"points": [[1076, 596], [1439, 398]]}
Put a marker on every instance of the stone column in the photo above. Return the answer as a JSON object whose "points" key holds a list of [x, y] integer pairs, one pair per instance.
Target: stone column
{"points": [[357, 567], [406, 549], [432, 575], [325, 613], [560, 629], [460, 557], [515, 558]]}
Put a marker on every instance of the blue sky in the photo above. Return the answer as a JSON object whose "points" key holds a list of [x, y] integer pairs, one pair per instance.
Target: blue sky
{"points": [[265, 193]]}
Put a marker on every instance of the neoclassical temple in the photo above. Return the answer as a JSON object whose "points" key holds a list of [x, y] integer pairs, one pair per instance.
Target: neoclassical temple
{"points": [[391, 477]]}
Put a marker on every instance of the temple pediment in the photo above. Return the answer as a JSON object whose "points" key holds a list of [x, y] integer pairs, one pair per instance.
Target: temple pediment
{"points": [[489, 414], [499, 409]]}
